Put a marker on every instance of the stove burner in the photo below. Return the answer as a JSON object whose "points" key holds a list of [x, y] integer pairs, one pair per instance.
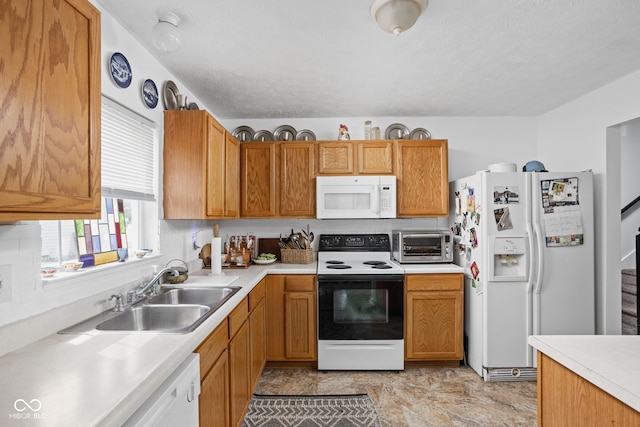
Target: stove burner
{"points": [[382, 266], [339, 266], [335, 262], [373, 262]]}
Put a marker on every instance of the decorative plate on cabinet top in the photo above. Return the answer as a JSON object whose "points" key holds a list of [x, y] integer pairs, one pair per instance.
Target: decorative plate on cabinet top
{"points": [[284, 133], [263, 136], [150, 93], [420, 133], [396, 131], [305, 135], [243, 133], [120, 70], [169, 95], [193, 106]]}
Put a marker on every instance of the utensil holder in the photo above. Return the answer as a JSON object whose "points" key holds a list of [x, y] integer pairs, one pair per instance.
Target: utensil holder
{"points": [[296, 256]]}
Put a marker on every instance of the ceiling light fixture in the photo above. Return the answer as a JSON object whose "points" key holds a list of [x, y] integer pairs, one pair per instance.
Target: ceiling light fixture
{"points": [[165, 33], [397, 16]]}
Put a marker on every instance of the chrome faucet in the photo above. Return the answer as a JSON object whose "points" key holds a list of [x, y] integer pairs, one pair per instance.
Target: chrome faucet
{"points": [[154, 284]]}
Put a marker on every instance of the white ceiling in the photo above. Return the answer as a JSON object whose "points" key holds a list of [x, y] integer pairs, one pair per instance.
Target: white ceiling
{"points": [[327, 58]]}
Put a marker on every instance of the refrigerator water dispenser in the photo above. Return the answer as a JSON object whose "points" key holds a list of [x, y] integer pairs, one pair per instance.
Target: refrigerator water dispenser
{"points": [[509, 259]]}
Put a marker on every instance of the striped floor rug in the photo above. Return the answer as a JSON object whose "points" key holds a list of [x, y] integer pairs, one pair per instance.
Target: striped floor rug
{"points": [[311, 411]]}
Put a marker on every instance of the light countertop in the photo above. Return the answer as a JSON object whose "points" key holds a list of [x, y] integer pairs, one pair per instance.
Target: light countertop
{"points": [[610, 362], [100, 378]]}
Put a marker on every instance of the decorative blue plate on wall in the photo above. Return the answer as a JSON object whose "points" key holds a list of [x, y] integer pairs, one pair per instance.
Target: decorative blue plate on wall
{"points": [[150, 93], [120, 70]]}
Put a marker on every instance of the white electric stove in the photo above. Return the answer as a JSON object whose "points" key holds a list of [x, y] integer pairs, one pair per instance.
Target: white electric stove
{"points": [[360, 304]]}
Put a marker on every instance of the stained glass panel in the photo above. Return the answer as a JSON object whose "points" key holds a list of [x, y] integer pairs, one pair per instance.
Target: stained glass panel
{"points": [[99, 240]]}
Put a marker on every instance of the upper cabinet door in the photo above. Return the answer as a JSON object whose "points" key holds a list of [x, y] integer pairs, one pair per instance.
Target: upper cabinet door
{"points": [[258, 179], [297, 180], [232, 178], [215, 168], [423, 175], [49, 110], [375, 157], [335, 158]]}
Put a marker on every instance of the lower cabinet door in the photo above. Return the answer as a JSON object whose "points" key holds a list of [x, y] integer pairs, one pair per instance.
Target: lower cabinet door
{"points": [[239, 374], [214, 394], [257, 332], [434, 326]]}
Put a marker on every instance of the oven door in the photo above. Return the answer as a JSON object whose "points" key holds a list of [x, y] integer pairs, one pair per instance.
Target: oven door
{"points": [[360, 307]]}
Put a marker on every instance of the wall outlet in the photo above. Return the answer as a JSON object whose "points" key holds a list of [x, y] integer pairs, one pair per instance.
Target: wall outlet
{"points": [[5, 283]]}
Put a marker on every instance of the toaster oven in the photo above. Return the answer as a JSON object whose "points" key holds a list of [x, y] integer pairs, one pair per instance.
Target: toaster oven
{"points": [[422, 246]]}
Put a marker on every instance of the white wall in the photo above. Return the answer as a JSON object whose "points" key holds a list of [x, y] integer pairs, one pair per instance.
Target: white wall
{"points": [[575, 136]]}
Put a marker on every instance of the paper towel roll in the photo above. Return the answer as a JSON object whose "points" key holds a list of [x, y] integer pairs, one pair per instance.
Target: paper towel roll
{"points": [[216, 259]]}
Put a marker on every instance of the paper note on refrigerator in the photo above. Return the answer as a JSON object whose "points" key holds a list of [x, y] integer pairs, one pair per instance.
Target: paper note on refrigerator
{"points": [[563, 227], [562, 217]]}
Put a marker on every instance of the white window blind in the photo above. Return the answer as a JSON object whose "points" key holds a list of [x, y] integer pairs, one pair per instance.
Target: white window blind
{"points": [[127, 153]]}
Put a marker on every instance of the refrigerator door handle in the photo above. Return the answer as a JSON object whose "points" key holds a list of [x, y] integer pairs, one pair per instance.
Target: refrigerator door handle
{"points": [[540, 259], [530, 258]]}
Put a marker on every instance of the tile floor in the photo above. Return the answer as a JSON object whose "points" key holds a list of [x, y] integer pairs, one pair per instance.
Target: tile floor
{"points": [[418, 397]]}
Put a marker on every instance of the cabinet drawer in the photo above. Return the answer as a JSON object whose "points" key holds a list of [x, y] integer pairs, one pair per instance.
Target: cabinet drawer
{"points": [[257, 294], [238, 316], [300, 283], [213, 346], [433, 282]]}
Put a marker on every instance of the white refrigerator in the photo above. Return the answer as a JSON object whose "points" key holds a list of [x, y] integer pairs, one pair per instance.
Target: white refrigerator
{"points": [[526, 241]]}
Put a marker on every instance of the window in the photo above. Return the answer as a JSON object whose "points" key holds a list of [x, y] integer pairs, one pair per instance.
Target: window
{"points": [[128, 173]]}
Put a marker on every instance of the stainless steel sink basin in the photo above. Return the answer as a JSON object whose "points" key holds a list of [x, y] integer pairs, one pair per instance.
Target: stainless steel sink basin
{"points": [[157, 318], [177, 310], [206, 296]]}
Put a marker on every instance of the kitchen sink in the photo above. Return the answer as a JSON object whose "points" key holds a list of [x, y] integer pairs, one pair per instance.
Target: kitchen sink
{"points": [[207, 296], [157, 318], [177, 310]]}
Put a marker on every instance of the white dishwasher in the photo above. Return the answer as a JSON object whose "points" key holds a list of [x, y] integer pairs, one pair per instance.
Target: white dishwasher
{"points": [[175, 402]]}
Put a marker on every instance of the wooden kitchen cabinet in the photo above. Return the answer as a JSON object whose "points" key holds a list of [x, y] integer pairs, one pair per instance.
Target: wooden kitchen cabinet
{"points": [[232, 177], [423, 178], [434, 317], [257, 331], [297, 190], [277, 171], [232, 358], [569, 400], [239, 362], [200, 167], [335, 158], [258, 179], [355, 157], [214, 400], [291, 318], [50, 97]]}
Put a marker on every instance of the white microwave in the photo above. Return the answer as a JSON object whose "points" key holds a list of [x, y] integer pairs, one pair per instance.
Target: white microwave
{"points": [[347, 197]]}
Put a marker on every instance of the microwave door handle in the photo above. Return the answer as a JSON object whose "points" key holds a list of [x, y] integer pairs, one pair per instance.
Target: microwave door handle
{"points": [[375, 203]]}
